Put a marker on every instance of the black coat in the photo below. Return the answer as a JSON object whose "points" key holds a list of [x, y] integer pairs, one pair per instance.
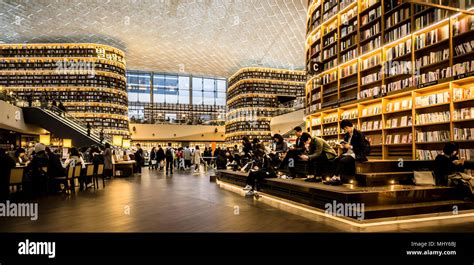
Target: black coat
{"points": [[358, 144], [7, 163]]}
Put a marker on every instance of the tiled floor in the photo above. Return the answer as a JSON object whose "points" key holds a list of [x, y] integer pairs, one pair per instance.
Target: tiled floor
{"points": [[183, 202]]}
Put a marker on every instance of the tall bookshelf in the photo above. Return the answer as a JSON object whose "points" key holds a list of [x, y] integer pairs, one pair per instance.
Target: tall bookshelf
{"points": [[253, 99], [404, 54], [89, 79]]}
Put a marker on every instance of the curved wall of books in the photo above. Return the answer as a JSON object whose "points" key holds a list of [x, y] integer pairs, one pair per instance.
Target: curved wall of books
{"points": [[89, 79], [253, 99], [402, 72]]}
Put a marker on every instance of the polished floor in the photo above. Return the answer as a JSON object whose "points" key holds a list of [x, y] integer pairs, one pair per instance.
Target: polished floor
{"points": [[183, 202]]}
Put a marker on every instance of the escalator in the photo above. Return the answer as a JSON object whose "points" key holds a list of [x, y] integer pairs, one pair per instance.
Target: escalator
{"points": [[63, 126]]}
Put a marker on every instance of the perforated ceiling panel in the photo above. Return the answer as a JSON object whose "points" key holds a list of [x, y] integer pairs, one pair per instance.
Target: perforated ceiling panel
{"points": [[204, 37]]}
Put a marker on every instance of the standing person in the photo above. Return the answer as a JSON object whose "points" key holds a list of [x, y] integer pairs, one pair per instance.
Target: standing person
{"points": [[89, 129], [160, 157], [108, 163], [180, 158], [169, 159], [7, 164], [187, 157], [54, 104], [197, 159], [353, 148], [153, 162], [139, 158]]}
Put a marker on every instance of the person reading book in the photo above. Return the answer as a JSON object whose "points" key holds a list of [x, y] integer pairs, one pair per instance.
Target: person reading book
{"points": [[320, 153], [354, 148]]}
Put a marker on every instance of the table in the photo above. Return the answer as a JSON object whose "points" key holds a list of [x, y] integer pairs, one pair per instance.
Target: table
{"points": [[125, 166]]}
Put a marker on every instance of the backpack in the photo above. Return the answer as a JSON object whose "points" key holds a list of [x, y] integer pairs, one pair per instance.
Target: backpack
{"points": [[169, 153]]}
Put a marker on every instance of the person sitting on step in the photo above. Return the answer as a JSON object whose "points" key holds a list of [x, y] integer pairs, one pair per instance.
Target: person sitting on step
{"points": [[353, 148], [320, 153]]}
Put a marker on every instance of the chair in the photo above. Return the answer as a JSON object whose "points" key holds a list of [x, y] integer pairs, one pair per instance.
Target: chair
{"points": [[65, 179], [90, 174], [100, 173], [76, 176], [16, 177]]}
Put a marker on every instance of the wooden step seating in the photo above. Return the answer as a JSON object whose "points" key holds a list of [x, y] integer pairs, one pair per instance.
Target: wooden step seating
{"points": [[379, 201]]}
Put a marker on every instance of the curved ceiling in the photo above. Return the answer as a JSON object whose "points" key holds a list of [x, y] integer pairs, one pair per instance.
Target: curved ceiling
{"points": [[201, 37]]}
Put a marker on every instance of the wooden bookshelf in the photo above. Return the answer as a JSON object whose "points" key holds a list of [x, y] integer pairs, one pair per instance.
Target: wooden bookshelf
{"points": [[422, 51], [89, 79], [252, 100]]}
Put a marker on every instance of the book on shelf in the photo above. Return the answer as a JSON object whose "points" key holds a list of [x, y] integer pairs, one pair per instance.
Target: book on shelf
{"points": [[467, 154], [463, 114], [398, 50], [402, 138], [463, 134], [433, 99], [349, 114], [372, 110], [397, 17], [463, 48], [371, 45], [427, 154], [431, 58], [374, 139], [370, 32], [365, 4], [432, 77], [430, 17], [433, 117], [464, 68], [371, 16], [371, 78], [463, 26], [398, 32], [370, 62], [370, 92], [432, 136], [431, 37], [463, 93], [348, 70]]}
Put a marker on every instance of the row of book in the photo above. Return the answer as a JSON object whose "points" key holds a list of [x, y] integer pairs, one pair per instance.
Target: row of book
{"points": [[350, 14], [399, 105], [433, 99], [432, 136], [396, 122], [467, 154], [330, 64], [404, 138], [315, 121], [349, 114], [427, 154], [316, 132], [398, 32], [372, 31], [372, 110], [348, 70], [433, 76], [327, 53], [432, 57], [397, 17], [393, 68], [330, 118], [371, 92], [463, 68], [371, 125], [463, 25], [398, 50], [371, 45], [371, 78], [464, 48], [328, 78], [371, 16], [463, 134], [431, 37], [368, 3], [463, 114], [370, 62], [433, 117], [348, 29], [349, 55], [430, 17], [400, 84], [330, 130], [463, 93], [348, 42]]}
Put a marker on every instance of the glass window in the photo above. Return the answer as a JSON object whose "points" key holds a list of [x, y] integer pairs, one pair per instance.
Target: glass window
{"points": [[209, 98], [197, 83], [221, 85], [197, 97], [209, 85]]}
